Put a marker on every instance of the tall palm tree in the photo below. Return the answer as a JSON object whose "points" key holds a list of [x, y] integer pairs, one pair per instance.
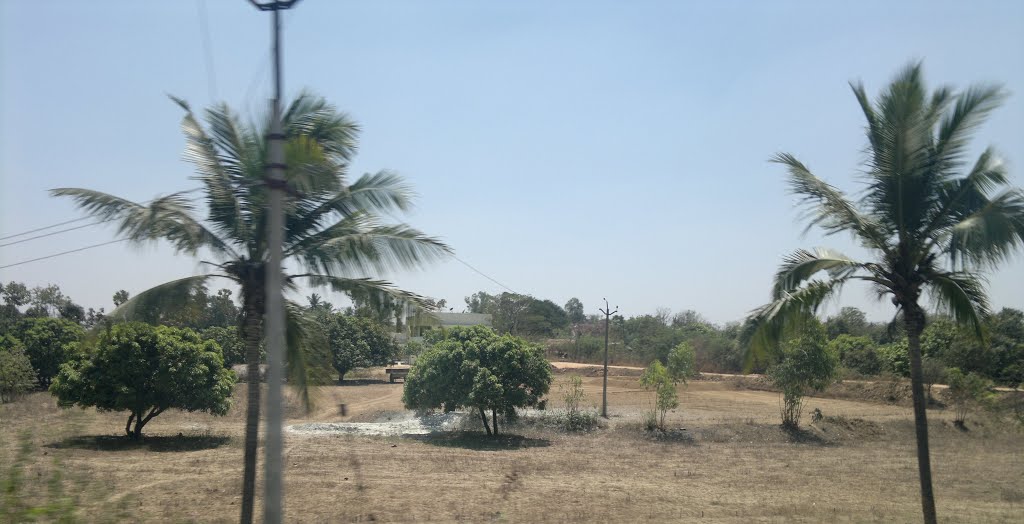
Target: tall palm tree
{"points": [[334, 236], [933, 223]]}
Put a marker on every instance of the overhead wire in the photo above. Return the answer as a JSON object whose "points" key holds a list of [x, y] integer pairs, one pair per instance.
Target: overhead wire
{"points": [[64, 253], [485, 275]]}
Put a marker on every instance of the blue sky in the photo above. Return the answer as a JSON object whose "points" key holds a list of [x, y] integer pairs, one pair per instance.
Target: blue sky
{"points": [[589, 149]]}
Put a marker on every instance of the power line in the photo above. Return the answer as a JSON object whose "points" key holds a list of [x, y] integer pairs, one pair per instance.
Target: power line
{"points": [[72, 221], [44, 235], [204, 29], [64, 253], [485, 275]]}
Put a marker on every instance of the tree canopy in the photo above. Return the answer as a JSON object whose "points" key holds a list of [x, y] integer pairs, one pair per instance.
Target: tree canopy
{"points": [[146, 370], [478, 369]]}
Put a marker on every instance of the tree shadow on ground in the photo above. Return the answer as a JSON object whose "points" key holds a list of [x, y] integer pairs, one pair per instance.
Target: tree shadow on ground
{"points": [[158, 443], [673, 435], [480, 441], [805, 436], [364, 382]]}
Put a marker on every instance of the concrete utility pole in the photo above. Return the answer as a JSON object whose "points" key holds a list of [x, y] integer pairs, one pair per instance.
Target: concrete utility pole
{"points": [[273, 483], [604, 391]]}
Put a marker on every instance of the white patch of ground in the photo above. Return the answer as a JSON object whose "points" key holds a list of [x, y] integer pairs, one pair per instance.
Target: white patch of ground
{"points": [[407, 423]]}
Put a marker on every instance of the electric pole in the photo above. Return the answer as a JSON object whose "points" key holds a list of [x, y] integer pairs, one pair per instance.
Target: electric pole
{"points": [[275, 181], [604, 391]]}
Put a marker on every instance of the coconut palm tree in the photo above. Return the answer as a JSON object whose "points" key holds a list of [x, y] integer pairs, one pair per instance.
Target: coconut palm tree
{"points": [[933, 223], [334, 236]]}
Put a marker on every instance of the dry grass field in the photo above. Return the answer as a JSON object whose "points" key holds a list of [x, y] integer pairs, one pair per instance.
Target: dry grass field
{"points": [[732, 463]]}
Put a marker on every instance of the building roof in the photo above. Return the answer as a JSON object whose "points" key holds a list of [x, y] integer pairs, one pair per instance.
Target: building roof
{"points": [[456, 319]]}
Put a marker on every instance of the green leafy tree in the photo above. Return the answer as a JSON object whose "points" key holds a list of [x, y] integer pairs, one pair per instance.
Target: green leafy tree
{"points": [[1006, 330], [49, 342], [895, 358], [932, 222], [574, 309], [967, 391], [16, 374], [509, 312], [478, 369], [849, 321], [120, 297], [334, 232], [857, 353], [658, 379], [682, 364], [805, 365], [146, 370], [481, 302], [356, 342], [543, 318], [232, 346], [16, 294]]}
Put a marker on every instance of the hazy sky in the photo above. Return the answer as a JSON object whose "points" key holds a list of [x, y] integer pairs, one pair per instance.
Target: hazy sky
{"points": [[589, 149]]}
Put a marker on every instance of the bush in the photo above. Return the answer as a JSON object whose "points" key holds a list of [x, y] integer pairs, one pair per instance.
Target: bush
{"points": [[16, 374], [895, 358], [573, 395], [658, 379], [681, 363], [805, 365], [857, 354], [967, 391], [146, 370], [933, 373]]}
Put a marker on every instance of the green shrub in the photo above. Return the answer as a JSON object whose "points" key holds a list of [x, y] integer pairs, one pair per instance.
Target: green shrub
{"points": [[805, 365], [16, 374], [895, 358], [657, 378], [967, 392]]}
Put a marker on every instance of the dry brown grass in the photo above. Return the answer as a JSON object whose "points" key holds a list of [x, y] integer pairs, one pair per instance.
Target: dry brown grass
{"points": [[732, 463]]}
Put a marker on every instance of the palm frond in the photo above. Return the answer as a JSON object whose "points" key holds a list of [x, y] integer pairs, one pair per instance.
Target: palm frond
{"points": [[786, 314], [801, 265], [972, 107], [305, 354], [166, 218], [311, 116], [991, 233], [358, 245], [377, 292], [221, 165], [381, 192], [962, 296], [169, 296], [828, 207], [962, 197]]}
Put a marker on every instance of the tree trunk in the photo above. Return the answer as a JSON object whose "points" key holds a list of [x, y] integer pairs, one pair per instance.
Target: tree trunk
{"points": [[253, 331], [494, 417], [914, 321], [483, 417], [128, 426]]}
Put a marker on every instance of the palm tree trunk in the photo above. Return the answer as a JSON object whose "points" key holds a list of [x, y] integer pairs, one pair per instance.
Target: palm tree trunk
{"points": [[253, 331], [914, 321]]}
